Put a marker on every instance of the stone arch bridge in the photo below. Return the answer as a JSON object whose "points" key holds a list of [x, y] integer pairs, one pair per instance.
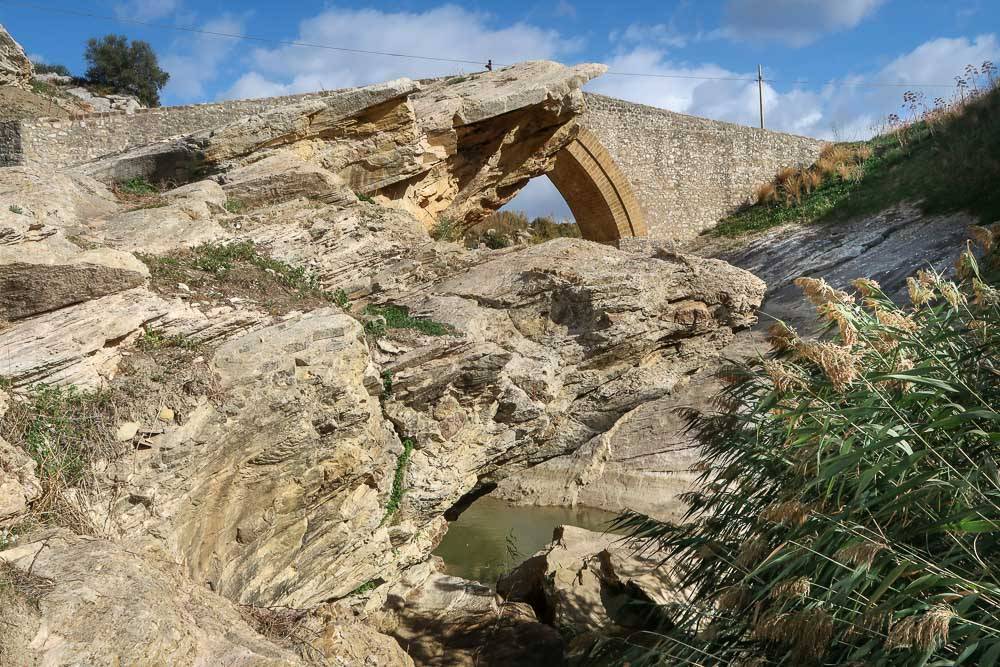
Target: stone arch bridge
{"points": [[632, 170]]}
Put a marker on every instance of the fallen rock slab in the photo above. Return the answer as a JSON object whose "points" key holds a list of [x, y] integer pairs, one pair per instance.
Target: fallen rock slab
{"points": [[442, 620], [587, 582]]}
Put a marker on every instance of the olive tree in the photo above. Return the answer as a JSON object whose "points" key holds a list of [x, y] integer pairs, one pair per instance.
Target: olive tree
{"points": [[126, 68]]}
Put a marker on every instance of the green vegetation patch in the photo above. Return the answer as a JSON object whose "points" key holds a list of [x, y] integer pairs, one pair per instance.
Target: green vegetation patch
{"points": [[235, 206], [383, 318], [138, 186], [505, 228], [63, 428], [399, 480], [947, 162], [154, 339], [221, 272]]}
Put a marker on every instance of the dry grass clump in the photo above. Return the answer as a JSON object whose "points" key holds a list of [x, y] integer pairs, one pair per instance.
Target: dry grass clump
{"points": [[285, 626], [65, 430], [791, 184], [28, 587], [73, 433]]}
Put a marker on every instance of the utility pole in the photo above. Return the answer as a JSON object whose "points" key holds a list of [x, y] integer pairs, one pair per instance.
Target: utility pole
{"points": [[760, 93]]}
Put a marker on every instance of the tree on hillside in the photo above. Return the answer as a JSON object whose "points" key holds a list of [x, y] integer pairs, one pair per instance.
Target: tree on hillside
{"points": [[130, 69]]}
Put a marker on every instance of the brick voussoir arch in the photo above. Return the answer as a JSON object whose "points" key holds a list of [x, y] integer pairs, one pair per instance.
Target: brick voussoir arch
{"points": [[597, 192]]}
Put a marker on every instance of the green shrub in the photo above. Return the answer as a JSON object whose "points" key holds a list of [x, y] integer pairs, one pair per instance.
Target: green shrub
{"points": [[399, 480], [235, 206], [153, 339], [389, 316], [341, 299], [386, 383], [138, 186], [16, 210], [365, 198], [848, 511], [446, 230], [503, 228], [219, 258], [46, 68]]}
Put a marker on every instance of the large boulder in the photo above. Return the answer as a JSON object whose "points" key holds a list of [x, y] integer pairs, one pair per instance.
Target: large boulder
{"points": [[285, 175], [82, 344], [68, 599], [446, 621], [587, 583], [42, 276], [328, 116], [47, 201], [15, 67]]}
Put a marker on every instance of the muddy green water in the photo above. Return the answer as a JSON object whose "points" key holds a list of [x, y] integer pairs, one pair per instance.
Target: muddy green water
{"points": [[476, 546]]}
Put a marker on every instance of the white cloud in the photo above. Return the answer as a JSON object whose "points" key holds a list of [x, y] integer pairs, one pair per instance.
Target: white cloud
{"points": [[194, 63], [795, 22], [846, 109], [659, 34], [565, 9], [146, 10], [448, 31]]}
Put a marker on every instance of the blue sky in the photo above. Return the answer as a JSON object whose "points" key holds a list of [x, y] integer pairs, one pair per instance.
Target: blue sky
{"points": [[829, 45]]}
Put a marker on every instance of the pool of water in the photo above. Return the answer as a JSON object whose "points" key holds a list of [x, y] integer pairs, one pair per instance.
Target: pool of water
{"points": [[491, 536]]}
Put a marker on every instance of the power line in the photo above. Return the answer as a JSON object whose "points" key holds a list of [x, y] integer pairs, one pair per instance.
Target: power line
{"points": [[461, 61]]}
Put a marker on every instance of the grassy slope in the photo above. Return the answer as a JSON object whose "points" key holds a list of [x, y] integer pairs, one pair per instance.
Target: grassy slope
{"points": [[953, 165]]}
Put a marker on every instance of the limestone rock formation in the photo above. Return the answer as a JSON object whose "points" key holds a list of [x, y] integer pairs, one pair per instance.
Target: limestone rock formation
{"points": [[15, 68], [448, 621], [183, 218], [18, 483], [513, 120], [44, 276], [302, 457], [69, 599], [886, 247], [643, 463], [587, 582], [105, 103], [80, 600], [56, 200], [282, 176], [557, 343], [456, 147]]}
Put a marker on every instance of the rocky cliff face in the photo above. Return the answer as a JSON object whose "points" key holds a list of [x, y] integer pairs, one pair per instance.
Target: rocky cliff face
{"points": [[292, 386], [15, 68]]}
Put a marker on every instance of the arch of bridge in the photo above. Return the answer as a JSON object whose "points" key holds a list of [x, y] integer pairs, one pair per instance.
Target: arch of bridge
{"points": [[598, 194]]}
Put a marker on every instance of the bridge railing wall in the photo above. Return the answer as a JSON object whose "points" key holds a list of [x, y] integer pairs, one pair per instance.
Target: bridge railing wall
{"points": [[65, 142], [688, 172]]}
